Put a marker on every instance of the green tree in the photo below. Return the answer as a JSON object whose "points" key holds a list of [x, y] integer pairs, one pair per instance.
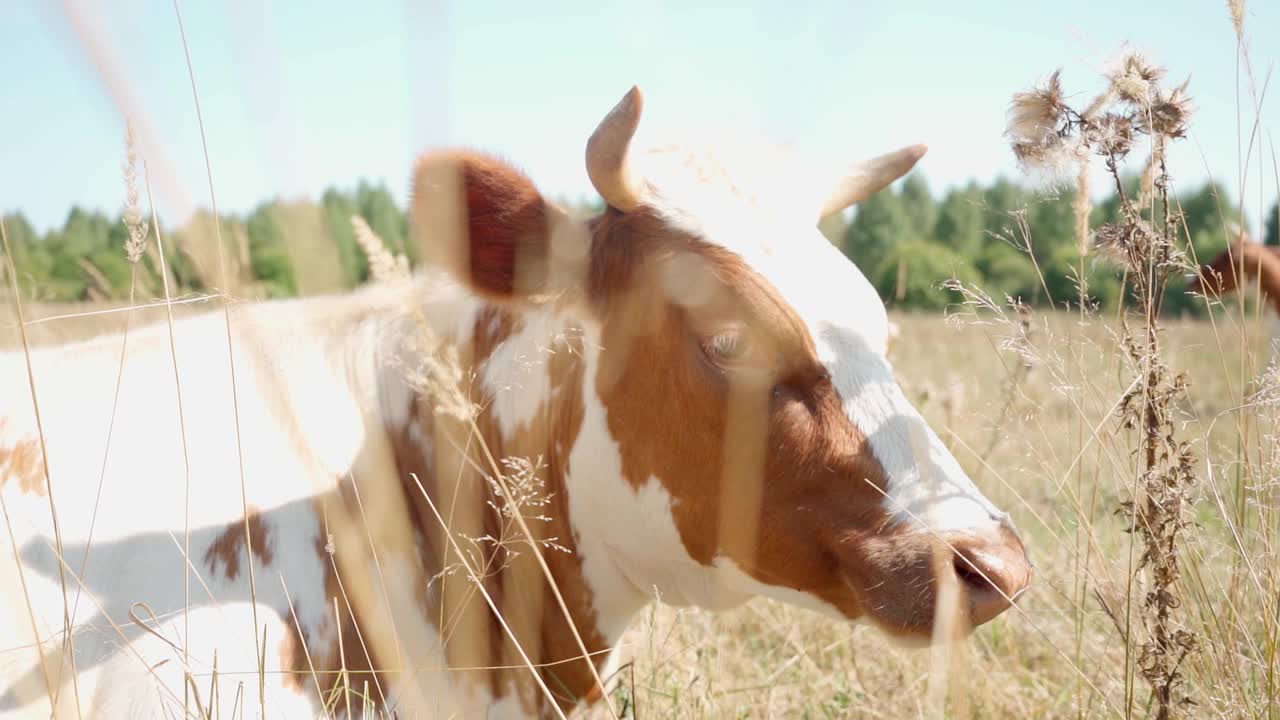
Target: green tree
{"points": [[918, 204], [1065, 270], [31, 257], [84, 234], [338, 211], [1053, 241], [85, 231], [1007, 272], [1052, 220], [268, 254], [1001, 199], [880, 222], [1209, 214], [961, 223], [913, 272]]}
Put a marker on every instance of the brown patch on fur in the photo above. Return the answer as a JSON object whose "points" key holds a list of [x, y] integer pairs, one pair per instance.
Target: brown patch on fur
{"points": [[353, 653], [527, 601], [441, 452], [293, 661], [229, 545], [22, 462], [345, 665]]}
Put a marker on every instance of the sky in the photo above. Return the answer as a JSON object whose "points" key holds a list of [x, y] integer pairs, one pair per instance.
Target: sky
{"points": [[298, 95]]}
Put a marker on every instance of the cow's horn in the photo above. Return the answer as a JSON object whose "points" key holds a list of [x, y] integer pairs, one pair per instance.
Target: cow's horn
{"points": [[867, 178], [608, 153]]}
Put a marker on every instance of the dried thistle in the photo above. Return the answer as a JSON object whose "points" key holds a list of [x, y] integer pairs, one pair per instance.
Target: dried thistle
{"points": [[1169, 114], [1115, 134], [1112, 240], [1145, 242], [1135, 79], [383, 265], [1038, 125], [1037, 114], [135, 220], [1136, 242]]}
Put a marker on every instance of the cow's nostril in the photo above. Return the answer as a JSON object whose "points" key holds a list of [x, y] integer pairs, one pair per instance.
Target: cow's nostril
{"points": [[993, 572], [972, 576]]}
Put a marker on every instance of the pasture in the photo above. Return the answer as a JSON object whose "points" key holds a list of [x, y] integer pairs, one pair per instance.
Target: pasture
{"points": [[1055, 494], [1028, 405]]}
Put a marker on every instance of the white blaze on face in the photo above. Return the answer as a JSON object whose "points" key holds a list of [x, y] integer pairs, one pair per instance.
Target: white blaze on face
{"points": [[843, 314]]}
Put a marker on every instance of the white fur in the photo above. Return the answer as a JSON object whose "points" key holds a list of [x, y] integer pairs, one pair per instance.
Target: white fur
{"points": [[290, 452], [516, 377]]}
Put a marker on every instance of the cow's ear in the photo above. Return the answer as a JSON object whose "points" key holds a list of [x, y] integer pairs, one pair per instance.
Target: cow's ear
{"points": [[486, 224]]}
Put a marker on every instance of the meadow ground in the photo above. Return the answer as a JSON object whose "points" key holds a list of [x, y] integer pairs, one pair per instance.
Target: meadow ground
{"points": [[1029, 404]]}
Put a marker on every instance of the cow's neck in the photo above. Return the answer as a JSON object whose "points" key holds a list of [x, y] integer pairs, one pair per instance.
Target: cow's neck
{"points": [[526, 374]]}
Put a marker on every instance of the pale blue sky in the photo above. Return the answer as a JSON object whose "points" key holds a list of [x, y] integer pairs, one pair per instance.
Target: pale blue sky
{"points": [[299, 95]]}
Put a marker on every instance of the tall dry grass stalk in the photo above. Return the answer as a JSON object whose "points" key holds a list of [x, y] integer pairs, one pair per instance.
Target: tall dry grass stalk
{"points": [[384, 266], [138, 225], [134, 219]]}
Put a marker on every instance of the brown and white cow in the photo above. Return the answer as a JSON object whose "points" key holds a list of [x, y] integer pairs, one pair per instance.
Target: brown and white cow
{"points": [[695, 379], [1243, 262], [1236, 269]]}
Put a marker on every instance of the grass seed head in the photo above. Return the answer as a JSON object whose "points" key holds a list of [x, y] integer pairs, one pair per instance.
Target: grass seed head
{"points": [[134, 218]]}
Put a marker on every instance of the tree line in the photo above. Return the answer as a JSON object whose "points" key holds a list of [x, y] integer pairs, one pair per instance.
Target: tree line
{"points": [[1003, 237], [283, 248], [1015, 242]]}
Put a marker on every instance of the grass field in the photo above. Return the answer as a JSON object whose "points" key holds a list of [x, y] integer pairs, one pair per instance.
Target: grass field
{"points": [[1028, 404]]}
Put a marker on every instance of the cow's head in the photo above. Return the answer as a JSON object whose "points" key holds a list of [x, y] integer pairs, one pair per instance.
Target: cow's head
{"points": [[737, 377]]}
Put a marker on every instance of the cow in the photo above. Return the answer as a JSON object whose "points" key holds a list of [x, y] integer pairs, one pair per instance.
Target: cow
{"points": [[1236, 268], [451, 494], [1243, 260]]}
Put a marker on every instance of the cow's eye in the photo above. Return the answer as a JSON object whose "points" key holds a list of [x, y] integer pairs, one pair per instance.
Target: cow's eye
{"points": [[727, 345]]}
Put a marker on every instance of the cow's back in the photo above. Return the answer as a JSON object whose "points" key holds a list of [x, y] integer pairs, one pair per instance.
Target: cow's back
{"points": [[132, 474]]}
